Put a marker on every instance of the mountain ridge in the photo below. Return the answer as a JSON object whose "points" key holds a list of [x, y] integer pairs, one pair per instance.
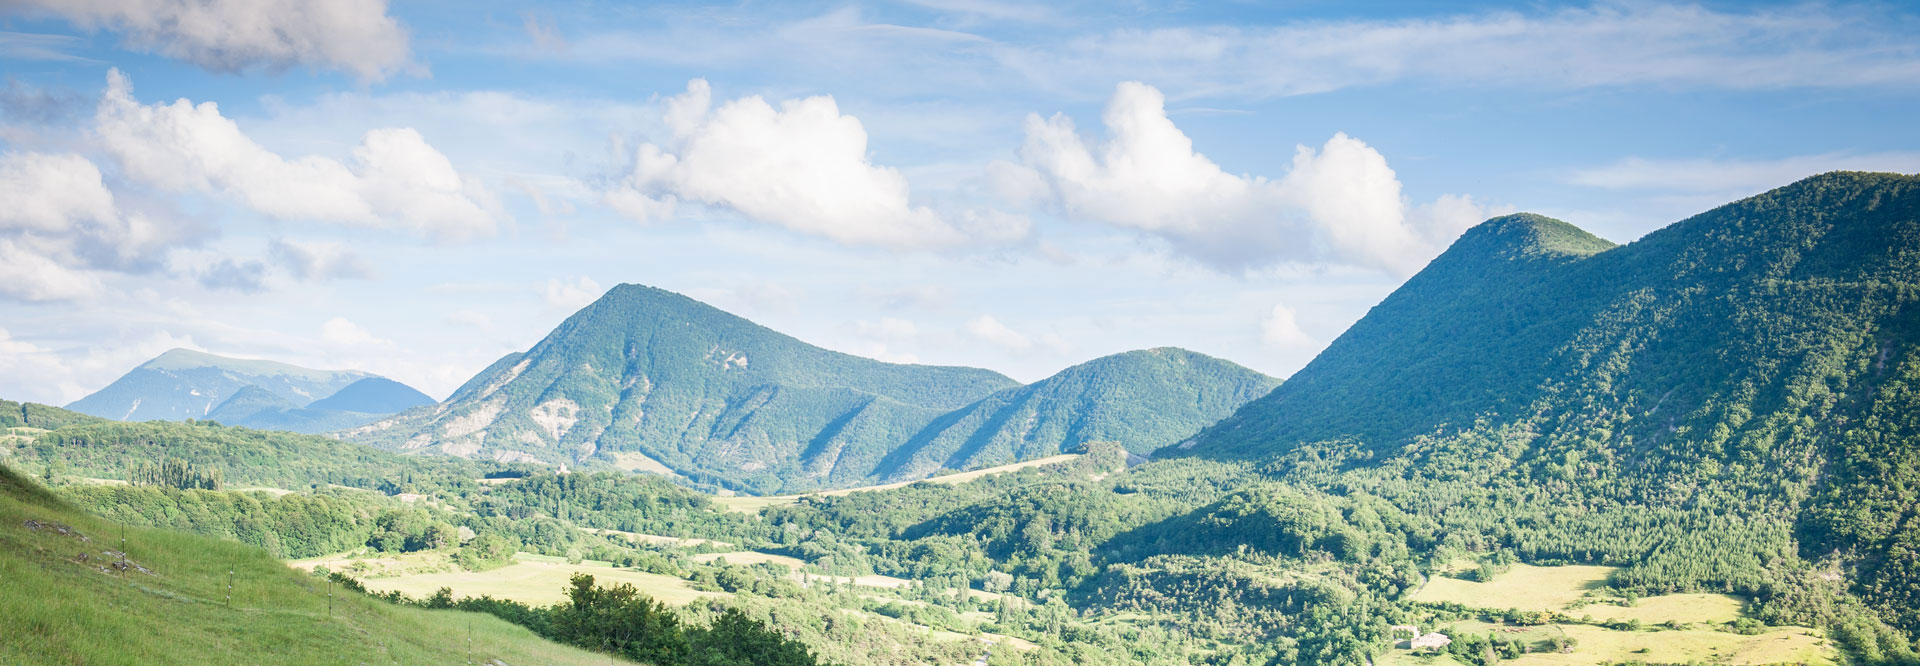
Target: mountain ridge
{"points": [[644, 378]]}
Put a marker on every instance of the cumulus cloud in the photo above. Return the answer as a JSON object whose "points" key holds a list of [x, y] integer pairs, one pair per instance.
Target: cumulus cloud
{"points": [[803, 166], [61, 373], [354, 36], [1340, 203], [988, 329], [340, 332], [571, 293], [61, 226], [1281, 328], [320, 261], [394, 179]]}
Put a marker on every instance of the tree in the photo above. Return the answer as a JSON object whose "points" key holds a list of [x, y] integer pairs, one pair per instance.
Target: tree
{"points": [[737, 640]]}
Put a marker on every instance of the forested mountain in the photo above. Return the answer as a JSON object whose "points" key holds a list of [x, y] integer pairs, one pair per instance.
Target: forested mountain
{"points": [[1141, 399], [713, 396], [1727, 403], [644, 378], [185, 384]]}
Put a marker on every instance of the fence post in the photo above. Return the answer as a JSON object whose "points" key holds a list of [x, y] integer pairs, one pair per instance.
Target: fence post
{"points": [[229, 588]]}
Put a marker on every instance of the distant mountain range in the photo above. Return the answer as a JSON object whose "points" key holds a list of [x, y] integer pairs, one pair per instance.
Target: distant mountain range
{"points": [[184, 384], [649, 379]]}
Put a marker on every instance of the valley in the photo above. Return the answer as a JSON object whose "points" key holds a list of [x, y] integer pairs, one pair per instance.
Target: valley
{"points": [[1544, 448]]}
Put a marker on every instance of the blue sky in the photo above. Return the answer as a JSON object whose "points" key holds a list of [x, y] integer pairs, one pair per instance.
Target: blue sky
{"points": [[416, 189]]}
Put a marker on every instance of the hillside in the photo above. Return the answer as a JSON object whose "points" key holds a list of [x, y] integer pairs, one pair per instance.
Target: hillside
{"points": [[73, 597], [650, 380], [183, 384], [249, 457], [710, 395], [1142, 399], [1724, 404]]}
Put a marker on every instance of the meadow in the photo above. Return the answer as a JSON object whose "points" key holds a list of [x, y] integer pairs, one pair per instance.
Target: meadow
{"points": [[1673, 628]]}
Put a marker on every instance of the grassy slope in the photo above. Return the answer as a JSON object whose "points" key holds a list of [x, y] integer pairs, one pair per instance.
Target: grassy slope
{"points": [[57, 610]]}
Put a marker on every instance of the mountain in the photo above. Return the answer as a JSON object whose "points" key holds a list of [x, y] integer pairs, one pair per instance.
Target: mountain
{"points": [[649, 379], [1731, 403], [645, 377], [373, 395], [183, 384], [258, 408], [1142, 399], [249, 402]]}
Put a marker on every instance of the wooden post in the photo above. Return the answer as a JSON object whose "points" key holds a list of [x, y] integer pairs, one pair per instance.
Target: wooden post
{"points": [[229, 588], [329, 595], [469, 641]]}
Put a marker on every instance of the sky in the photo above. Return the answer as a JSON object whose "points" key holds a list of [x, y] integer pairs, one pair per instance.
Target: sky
{"points": [[418, 188]]}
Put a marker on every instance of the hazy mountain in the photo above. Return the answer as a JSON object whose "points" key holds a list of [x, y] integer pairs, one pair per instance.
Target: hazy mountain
{"points": [[183, 384], [1142, 399], [1699, 405], [647, 374], [250, 401], [258, 408], [373, 395]]}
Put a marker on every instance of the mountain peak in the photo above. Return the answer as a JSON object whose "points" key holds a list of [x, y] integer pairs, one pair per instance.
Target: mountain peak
{"points": [[1528, 235]]}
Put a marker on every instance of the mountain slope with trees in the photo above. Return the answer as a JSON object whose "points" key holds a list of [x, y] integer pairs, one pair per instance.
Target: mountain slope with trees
{"points": [[1141, 399], [1724, 404], [655, 377]]}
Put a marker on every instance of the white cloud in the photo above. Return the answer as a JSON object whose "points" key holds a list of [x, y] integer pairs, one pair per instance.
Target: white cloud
{"points": [[803, 166], [340, 332], [61, 225], [1339, 204], [29, 276], [319, 260], [990, 330], [59, 375], [355, 36], [1281, 328], [573, 293], [1737, 176], [394, 179]]}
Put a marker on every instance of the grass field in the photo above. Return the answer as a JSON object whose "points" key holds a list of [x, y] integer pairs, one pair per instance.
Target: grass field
{"points": [[634, 461], [1702, 637], [58, 608], [532, 579], [753, 504], [1525, 587]]}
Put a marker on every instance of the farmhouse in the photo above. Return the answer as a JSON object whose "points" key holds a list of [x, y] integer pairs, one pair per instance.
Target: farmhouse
{"points": [[1435, 641]]}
